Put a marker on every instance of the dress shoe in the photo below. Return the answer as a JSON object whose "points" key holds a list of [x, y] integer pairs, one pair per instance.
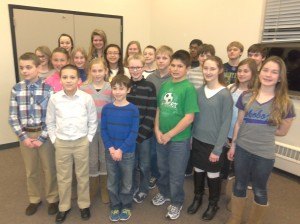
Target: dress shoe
{"points": [[53, 208], [85, 213], [32, 208], [61, 216]]}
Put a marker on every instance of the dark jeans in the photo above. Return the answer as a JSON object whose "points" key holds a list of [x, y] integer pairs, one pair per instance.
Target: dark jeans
{"points": [[154, 168], [227, 165], [119, 180], [172, 159], [142, 166], [255, 168]]}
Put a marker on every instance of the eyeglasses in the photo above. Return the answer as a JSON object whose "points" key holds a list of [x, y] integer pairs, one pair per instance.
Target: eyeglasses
{"points": [[112, 53], [135, 68]]}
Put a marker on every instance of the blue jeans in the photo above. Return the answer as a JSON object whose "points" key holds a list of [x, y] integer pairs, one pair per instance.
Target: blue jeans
{"points": [[142, 166], [172, 159], [119, 180], [154, 168], [248, 167]]}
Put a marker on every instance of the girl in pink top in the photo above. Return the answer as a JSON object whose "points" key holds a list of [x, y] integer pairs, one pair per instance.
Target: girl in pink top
{"points": [[59, 58]]}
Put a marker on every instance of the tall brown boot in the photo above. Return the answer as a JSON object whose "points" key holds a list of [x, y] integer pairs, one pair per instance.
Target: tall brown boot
{"points": [[257, 213], [103, 189], [237, 210], [94, 186]]}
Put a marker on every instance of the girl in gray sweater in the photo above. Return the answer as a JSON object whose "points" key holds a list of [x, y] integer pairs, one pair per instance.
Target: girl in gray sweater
{"points": [[211, 126]]}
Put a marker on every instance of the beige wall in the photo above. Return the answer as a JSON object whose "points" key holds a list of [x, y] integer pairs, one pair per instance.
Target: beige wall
{"points": [[172, 22], [217, 22]]}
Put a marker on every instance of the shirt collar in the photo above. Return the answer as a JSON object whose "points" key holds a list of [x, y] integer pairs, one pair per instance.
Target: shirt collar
{"points": [[76, 93], [35, 84]]}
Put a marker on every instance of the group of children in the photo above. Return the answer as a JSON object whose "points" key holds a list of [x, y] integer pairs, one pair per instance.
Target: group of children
{"points": [[148, 120]]}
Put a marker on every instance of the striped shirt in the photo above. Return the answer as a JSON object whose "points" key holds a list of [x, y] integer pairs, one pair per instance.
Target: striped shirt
{"points": [[195, 76], [143, 95], [28, 105], [100, 98], [119, 126]]}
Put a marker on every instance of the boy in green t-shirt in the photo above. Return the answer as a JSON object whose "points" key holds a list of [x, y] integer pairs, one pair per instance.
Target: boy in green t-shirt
{"points": [[177, 103]]}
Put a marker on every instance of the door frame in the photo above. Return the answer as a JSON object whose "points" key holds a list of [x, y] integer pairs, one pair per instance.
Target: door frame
{"points": [[11, 8]]}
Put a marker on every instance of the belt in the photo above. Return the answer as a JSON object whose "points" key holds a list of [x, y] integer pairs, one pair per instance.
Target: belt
{"points": [[32, 129]]}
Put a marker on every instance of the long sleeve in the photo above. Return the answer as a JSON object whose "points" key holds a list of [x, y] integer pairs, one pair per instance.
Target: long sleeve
{"points": [[131, 139], [92, 118], [147, 123], [226, 109], [13, 116], [43, 104], [104, 129], [51, 120]]}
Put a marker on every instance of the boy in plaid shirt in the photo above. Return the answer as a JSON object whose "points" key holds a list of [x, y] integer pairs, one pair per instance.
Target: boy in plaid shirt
{"points": [[28, 104]]}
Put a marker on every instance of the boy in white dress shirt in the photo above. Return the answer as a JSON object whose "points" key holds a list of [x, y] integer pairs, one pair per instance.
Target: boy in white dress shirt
{"points": [[72, 124]]}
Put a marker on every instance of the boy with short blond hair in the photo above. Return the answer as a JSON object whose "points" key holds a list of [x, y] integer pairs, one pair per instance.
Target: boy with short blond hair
{"points": [[28, 103], [72, 124], [234, 52], [162, 74], [142, 94], [177, 103]]}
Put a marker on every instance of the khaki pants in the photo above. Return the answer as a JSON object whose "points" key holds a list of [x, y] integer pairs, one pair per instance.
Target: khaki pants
{"points": [[39, 160], [66, 153]]}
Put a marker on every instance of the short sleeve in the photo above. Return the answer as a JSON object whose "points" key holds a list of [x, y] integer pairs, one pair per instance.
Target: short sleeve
{"points": [[239, 104], [191, 101], [291, 112]]}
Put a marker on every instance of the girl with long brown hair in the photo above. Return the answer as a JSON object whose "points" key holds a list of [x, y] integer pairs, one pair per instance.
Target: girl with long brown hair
{"points": [[264, 112]]}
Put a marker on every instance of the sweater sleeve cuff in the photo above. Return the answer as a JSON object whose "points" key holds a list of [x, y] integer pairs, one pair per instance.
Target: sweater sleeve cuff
{"points": [[217, 151]]}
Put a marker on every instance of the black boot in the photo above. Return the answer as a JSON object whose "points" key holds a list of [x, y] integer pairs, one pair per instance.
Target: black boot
{"points": [[214, 185], [199, 181]]}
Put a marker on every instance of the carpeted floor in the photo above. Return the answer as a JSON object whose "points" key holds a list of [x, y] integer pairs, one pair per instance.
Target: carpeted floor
{"points": [[284, 194]]}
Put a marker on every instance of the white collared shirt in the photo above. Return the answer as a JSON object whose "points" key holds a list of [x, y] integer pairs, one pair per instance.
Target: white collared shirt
{"points": [[71, 117]]}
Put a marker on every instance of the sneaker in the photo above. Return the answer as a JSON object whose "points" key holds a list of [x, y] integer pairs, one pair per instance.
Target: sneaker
{"points": [[139, 197], [159, 199], [125, 214], [152, 182], [173, 212], [114, 215]]}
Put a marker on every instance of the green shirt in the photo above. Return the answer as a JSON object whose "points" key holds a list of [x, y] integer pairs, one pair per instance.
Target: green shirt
{"points": [[175, 100]]}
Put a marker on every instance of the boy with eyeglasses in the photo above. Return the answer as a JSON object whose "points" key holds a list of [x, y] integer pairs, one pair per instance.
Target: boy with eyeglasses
{"points": [[143, 95]]}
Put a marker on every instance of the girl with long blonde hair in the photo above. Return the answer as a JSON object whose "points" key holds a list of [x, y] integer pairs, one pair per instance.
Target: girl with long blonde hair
{"points": [[100, 90], [97, 45]]}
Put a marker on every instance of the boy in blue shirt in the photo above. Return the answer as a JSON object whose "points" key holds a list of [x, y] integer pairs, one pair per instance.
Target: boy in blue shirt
{"points": [[177, 103], [119, 131]]}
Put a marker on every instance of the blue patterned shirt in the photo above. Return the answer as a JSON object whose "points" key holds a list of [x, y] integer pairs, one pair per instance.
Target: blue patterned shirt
{"points": [[28, 106]]}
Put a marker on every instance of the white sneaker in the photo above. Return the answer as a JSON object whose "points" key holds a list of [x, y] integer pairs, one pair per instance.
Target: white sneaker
{"points": [[173, 212], [159, 199]]}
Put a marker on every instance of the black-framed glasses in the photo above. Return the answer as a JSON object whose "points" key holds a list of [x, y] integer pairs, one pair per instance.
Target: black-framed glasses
{"points": [[135, 68]]}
